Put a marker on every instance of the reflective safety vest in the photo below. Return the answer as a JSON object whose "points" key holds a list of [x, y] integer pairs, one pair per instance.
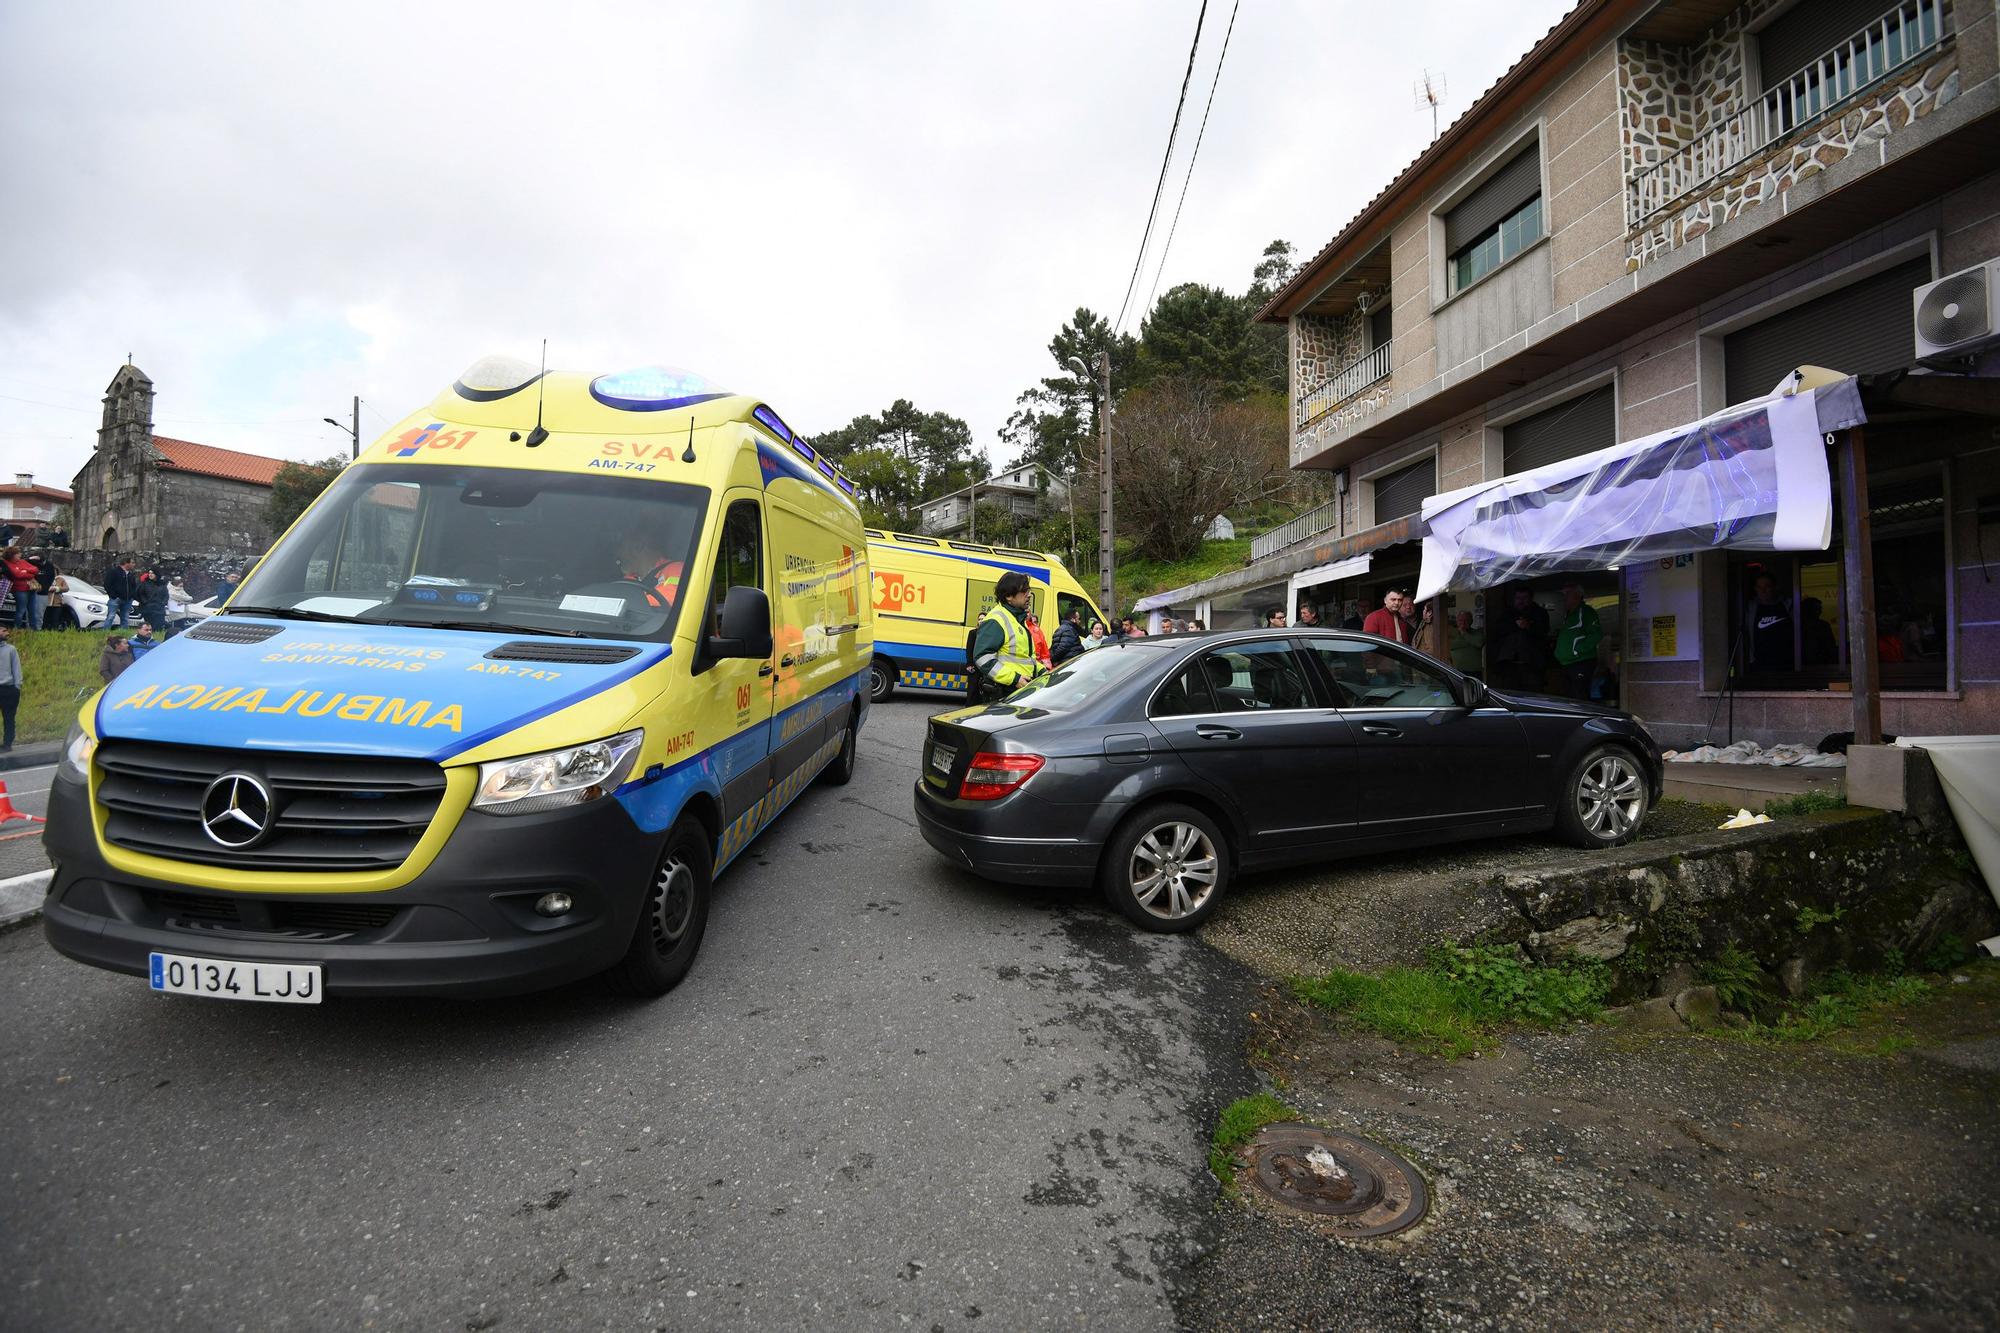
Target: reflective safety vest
{"points": [[1015, 664]]}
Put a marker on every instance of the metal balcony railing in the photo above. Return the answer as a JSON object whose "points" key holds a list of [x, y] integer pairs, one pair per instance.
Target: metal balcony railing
{"points": [[1906, 32], [1309, 524], [1343, 386]]}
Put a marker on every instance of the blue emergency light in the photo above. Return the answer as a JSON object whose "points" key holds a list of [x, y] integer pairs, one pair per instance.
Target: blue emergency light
{"points": [[653, 389]]}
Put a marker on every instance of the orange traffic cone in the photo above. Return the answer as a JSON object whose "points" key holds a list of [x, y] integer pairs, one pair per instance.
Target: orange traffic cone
{"points": [[9, 813]]}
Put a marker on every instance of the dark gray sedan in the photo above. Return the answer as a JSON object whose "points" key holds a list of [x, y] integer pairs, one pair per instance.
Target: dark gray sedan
{"points": [[1160, 767]]}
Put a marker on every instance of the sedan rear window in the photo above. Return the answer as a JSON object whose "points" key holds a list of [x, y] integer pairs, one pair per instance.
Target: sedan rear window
{"points": [[1082, 678]]}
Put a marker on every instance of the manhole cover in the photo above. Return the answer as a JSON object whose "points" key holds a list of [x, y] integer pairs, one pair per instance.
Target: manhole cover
{"points": [[1362, 1188]]}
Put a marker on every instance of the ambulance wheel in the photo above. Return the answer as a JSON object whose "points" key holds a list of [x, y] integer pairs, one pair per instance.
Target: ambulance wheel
{"points": [[881, 680], [840, 771], [672, 920]]}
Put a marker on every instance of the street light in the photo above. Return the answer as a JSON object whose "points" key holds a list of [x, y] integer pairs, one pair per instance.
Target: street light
{"points": [[1107, 578], [353, 430]]}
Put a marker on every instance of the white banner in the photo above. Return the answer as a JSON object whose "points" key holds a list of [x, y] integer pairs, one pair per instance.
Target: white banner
{"points": [[1752, 477]]}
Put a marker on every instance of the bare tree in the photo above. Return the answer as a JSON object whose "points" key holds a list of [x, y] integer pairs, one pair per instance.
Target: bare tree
{"points": [[1183, 454]]}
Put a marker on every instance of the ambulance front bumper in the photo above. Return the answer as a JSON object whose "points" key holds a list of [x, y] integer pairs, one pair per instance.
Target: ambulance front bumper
{"points": [[465, 926]]}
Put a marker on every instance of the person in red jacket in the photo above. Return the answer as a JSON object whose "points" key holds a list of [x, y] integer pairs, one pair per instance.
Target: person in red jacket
{"points": [[22, 574], [1387, 620]]}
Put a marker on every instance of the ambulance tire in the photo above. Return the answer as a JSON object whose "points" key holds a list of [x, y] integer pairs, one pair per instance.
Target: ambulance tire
{"points": [[672, 919], [840, 769], [881, 680]]}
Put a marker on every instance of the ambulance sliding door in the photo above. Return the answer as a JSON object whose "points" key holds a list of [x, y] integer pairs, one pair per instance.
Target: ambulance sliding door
{"points": [[816, 611]]}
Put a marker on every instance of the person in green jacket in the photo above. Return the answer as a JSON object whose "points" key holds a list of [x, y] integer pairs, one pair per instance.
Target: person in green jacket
{"points": [[1576, 642], [1468, 647]]}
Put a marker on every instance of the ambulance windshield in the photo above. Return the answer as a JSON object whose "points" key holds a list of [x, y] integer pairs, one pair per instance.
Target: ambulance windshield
{"points": [[506, 549]]}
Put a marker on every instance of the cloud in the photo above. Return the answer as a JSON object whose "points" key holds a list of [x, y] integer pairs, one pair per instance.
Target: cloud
{"points": [[272, 209]]}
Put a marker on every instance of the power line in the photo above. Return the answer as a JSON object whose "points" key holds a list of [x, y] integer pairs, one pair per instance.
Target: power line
{"points": [[1152, 213], [1199, 136]]}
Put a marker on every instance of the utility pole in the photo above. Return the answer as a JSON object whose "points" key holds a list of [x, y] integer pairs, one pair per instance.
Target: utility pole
{"points": [[353, 429], [1107, 572], [1107, 575]]}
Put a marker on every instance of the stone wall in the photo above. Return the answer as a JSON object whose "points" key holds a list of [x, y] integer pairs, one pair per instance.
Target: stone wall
{"points": [[1323, 346], [1673, 96], [200, 573]]}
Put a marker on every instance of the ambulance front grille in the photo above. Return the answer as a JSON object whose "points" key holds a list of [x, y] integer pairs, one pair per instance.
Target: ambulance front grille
{"points": [[328, 812]]}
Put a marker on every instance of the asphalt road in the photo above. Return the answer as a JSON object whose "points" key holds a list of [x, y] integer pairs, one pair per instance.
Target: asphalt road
{"points": [[888, 1096]]}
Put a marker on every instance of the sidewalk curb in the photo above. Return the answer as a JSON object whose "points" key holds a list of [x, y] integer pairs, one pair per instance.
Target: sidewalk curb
{"points": [[21, 897], [31, 756]]}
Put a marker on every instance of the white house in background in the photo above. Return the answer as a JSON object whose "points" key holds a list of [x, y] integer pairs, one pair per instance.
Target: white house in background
{"points": [[30, 507], [1024, 491]]}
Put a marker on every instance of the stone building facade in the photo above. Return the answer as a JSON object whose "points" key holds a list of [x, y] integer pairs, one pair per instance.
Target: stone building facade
{"points": [[151, 494]]}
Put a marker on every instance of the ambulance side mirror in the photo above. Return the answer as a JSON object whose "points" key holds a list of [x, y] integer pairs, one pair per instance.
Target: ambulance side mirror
{"points": [[746, 626]]}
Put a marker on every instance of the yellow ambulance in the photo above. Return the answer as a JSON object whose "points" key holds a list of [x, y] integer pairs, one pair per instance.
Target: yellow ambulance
{"points": [[929, 595], [490, 716]]}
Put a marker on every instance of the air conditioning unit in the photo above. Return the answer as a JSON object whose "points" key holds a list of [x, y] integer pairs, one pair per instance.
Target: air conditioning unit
{"points": [[1959, 313]]}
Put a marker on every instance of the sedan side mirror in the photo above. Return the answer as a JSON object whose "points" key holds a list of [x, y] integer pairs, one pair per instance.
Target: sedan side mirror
{"points": [[1475, 693], [746, 626]]}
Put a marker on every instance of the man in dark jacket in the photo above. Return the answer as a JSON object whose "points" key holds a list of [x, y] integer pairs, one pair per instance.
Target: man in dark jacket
{"points": [[1518, 645], [152, 593], [1067, 641], [118, 588]]}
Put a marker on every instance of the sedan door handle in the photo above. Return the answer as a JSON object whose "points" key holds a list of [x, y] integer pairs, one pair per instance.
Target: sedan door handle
{"points": [[1381, 729], [1210, 732]]}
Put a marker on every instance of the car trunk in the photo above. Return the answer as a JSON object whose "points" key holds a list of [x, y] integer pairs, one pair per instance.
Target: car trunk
{"points": [[954, 738]]}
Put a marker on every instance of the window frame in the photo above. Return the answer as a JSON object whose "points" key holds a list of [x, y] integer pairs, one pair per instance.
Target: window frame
{"points": [[1502, 255], [712, 617], [1315, 689], [1331, 684]]}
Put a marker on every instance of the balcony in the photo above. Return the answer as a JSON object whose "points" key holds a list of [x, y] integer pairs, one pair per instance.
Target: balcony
{"points": [[1343, 387], [1307, 525], [1825, 88]]}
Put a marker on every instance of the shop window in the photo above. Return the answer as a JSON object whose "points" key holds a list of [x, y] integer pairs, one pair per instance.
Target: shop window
{"points": [[1790, 627]]}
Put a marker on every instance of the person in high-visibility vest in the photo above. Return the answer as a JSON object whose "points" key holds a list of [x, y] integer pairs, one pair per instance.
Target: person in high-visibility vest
{"points": [[1003, 653]]}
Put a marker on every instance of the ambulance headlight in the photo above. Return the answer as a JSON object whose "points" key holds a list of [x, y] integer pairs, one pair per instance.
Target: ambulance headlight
{"points": [[557, 778], [78, 746]]}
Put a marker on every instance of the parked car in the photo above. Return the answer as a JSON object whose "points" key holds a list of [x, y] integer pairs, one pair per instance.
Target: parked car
{"points": [[186, 615], [1160, 768]]}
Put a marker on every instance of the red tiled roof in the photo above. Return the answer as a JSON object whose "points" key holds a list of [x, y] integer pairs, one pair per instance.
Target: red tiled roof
{"points": [[1459, 139], [45, 492], [210, 461]]}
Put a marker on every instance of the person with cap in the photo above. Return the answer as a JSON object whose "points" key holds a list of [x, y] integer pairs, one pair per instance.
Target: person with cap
{"points": [[1003, 650]]}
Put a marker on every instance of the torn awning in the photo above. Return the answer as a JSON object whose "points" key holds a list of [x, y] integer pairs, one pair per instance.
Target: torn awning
{"points": [[1751, 477]]}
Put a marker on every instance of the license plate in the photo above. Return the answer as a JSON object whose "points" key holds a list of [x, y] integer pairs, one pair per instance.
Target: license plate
{"points": [[226, 979], [942, 758]]}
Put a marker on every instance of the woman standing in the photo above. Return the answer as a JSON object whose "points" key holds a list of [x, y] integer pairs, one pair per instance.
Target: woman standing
{"points": [[22, 575]]}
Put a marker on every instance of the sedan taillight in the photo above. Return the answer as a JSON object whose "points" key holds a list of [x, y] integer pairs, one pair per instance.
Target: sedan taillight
{"points": [[992, 776]]}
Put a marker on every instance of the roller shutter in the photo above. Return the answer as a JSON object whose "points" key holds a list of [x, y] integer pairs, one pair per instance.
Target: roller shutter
{"points": [[1578, 426], [1807, 31], [1401, 493], [1864, 327], [1512, 186]]}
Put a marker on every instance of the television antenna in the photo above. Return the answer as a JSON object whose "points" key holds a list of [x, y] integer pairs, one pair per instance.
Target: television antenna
{"points": [[1429, 92]]}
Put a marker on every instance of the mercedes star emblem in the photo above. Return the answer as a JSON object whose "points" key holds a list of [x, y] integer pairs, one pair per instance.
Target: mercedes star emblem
{"points": [[236, 811]]}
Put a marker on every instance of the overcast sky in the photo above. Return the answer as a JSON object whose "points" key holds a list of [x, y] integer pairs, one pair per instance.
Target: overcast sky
{"points": [[830, 206]]}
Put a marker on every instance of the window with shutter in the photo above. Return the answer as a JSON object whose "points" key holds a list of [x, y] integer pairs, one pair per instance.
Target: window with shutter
{"points": [[1807, 31], [1578, 426], [1495, 222], [1864, 327], [1401, 493]]}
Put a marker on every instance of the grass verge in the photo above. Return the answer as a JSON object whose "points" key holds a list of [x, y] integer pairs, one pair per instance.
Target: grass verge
{"points": [[55, 665], [1805, 803], [1237, 1125], [1452, 1005]]}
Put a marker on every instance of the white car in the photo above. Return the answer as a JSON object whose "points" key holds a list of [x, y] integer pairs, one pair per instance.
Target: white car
{"points": [[185, 614], [90, 604]]}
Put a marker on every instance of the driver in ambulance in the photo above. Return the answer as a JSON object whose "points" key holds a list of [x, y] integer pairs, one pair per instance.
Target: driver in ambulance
{"points": [[640, 562]]}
